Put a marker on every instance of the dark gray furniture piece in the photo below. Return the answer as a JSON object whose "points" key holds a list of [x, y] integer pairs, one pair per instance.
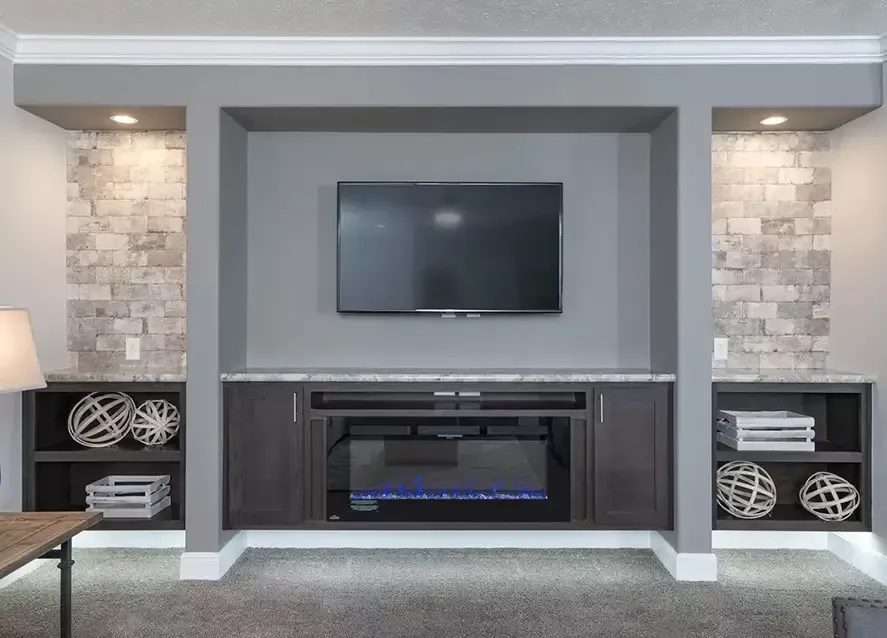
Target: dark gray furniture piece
{"points": [[859, 618], [56, 469], [277, 443], [843, 415], [265, 468]]}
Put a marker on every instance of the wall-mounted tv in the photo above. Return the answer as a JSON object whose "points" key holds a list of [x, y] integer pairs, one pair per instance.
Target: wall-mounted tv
{"points": [[406, 247]]}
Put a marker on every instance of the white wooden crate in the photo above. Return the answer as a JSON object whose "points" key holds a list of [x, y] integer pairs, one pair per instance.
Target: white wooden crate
{"points": [[766, 446], [767, 420], [120, 496], [779, 430]]}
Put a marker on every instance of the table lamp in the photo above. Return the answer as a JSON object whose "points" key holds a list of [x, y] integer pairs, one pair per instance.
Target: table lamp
{"points": [[19, 368]]}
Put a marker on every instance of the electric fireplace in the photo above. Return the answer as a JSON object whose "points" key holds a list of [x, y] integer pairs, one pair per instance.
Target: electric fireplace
{"points": [[448, 468]]}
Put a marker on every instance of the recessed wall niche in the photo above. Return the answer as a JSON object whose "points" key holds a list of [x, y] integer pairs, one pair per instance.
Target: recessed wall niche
{"points": [[126, 217], [771, 248]]}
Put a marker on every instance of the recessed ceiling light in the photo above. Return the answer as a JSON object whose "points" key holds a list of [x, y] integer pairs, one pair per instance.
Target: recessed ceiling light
{"points": [[774, 120], [124, 119]]}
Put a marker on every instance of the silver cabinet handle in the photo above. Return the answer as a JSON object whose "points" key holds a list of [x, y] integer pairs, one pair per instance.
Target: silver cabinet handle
{"points": [[601, 407], [469, 393], [295, 407], [445, 394]]}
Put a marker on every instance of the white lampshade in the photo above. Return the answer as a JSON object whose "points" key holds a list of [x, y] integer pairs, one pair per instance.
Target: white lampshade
{"points": [[19, 368]]}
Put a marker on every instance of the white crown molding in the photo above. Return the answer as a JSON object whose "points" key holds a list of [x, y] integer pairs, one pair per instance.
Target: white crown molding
{"points": [[8, 41], [882, 42], [47, 49]]}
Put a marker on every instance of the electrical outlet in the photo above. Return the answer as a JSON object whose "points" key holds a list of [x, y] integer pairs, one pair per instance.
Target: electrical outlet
{"points": [[722, 349], [133, 348]]}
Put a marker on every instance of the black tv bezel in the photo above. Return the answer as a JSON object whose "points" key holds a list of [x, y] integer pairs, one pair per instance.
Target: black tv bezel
{"points": [[449, 311]]}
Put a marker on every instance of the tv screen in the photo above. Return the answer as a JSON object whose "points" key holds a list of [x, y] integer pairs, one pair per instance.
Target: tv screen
{"points": [[447, 247]]}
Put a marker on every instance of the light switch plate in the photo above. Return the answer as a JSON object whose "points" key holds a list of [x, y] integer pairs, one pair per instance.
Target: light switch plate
{"points": [[133, 348], [722, 349]]}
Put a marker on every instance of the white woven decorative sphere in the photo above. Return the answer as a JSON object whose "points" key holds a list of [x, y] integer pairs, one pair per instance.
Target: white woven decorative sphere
{"points": [[829, 497], [745, 490], [101, 419], [156, 422]]}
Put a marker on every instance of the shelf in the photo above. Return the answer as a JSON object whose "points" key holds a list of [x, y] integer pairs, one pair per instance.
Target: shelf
{"points": [[456, 401], [168, 519], [823, 454], [788, 517], [71, 452], [446, 413]]}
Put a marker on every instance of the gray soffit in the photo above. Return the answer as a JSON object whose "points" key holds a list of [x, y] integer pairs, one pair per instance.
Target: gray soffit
{"points": [[799, 119], [483, 18], [447, 119], [451, 119], [98, 118]]}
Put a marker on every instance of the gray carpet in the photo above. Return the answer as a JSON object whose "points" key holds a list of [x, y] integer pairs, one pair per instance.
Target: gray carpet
{"points": [[437, 593]]}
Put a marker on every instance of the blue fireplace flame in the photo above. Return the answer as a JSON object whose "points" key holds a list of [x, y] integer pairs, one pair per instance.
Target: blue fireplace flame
{"points": [[416, 491]]}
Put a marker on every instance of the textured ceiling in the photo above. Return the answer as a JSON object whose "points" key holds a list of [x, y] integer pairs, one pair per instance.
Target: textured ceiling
{"points": [[542, 18]]}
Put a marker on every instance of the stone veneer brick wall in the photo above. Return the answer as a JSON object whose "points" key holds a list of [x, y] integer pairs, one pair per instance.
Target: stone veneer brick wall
{"points": [[126, 248], [771, 225], [771, 233]]}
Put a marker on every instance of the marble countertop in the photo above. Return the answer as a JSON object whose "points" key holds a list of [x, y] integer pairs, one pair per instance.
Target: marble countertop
{"points": [[146, 375], [401, 375], [790, 376]]}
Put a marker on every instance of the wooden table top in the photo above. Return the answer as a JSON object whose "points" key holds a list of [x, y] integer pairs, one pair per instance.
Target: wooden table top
{"points": [[25, 536]]}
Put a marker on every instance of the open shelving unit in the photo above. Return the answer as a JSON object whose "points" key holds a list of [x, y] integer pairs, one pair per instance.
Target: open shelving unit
{"points": [[56, 469], [842, 413]]}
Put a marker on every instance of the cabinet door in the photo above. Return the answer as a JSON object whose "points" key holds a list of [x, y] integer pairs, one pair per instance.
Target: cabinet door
{"points": [[631, 451], [264, 444]]}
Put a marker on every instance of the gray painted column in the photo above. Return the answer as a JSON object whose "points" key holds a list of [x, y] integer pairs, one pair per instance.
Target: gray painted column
{"points": [[680, 309], [693, 434], [204, 396]]}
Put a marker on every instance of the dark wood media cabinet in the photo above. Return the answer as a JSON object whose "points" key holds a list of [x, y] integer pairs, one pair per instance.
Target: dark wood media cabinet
{"points": [[279, 437]]}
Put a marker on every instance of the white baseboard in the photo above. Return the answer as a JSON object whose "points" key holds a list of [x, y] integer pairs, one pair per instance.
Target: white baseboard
{"points": [[858, 549], [449, 539], [212, 565], [724, 539], [21, 572], [684, 566], [149, 539]]}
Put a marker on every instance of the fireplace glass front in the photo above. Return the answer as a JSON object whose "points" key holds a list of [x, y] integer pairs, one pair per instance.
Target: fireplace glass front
{"points": [[448, 469]]}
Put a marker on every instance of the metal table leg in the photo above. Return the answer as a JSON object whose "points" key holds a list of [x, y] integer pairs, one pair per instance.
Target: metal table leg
{"points": [[65, 565], [63, 555]]}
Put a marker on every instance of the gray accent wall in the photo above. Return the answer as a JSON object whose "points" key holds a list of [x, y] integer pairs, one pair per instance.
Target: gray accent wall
{"points": [[232, 245], [633, 251], [663, 245], [32, 255], [292, 317], [859, 262], [693, 89]]}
